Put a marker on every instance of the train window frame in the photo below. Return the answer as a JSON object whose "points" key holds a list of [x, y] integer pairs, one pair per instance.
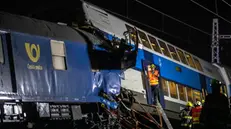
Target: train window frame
{"points": [[182, 58], [167, 86], [172, 51], [175, 89], [190, 60], [188, 94], [197, 64], [144, 39], [132, 35], [184, 92], [154, 44], [194, 99], [61, 55], [2, 59], [164, 52]]}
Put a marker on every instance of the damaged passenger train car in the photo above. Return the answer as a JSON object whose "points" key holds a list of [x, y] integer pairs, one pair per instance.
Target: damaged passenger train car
{"points": [[46, 70], [183, 76]]}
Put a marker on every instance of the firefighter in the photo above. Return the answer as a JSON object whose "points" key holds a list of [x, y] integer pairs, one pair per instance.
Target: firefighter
{"points": [[186, 116], [153, 75], [196, 111], [215, 112]]}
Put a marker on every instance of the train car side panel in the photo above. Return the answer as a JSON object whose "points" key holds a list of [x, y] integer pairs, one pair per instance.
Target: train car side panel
{"points": [[178, 73], [32, 63], [5, 77], [37, 79], [75, 81], [171, 70]]}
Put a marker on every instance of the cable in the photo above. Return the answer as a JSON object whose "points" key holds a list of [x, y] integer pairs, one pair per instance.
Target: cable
{"points": [[173, 18], [226, 3], [210, 11]]}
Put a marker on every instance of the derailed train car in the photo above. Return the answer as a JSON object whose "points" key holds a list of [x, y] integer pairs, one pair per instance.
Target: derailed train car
{"points": [[46, 71], [183, 76]]}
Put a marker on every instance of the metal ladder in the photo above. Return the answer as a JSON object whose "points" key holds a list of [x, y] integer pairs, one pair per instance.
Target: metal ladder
{"points": [[164, 115]]}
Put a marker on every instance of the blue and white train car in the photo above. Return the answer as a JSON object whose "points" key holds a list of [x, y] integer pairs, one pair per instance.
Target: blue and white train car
{"points": [[183, 76]]}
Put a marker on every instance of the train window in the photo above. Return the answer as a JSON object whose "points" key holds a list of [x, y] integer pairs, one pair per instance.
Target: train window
{"points": [[190, 60], [182, 57], [164, 48], [196, 95], [144, 39], [1, 51], [154, 44], [190, 94], [173, 90], [223, 89], [58, 55], [182, 92], [173, 52], [164, 84], [197, 63], [132, 33]]}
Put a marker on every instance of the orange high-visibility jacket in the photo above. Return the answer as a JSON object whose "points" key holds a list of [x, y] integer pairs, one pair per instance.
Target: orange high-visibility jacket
{"points": [[153, 77]]}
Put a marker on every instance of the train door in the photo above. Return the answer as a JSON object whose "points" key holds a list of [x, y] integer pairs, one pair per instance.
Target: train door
{"points": [[203, 86], [146, 64]]}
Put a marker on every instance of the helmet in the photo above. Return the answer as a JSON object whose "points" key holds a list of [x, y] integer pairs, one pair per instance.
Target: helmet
{"points": [[189, 104], [203, 101], [198, 103], [153, 66]]}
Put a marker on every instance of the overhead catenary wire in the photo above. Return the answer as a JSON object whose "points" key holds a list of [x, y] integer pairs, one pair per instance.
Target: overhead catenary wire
{"points": [[210, 11], [226, 3], [202, 31]]}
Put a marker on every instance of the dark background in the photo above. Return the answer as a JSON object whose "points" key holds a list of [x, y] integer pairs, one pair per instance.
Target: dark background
{"points": [[154, 22]]}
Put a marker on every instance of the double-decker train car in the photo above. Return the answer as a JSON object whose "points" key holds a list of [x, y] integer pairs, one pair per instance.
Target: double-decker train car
{"points": [[183, 76]]}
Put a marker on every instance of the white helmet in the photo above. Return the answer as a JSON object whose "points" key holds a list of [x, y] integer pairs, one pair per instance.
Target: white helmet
{"points": [[198, 103]]}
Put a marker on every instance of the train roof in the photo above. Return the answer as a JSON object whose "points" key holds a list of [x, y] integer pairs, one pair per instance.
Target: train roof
{"points": [[116, 26], [11, 22]]}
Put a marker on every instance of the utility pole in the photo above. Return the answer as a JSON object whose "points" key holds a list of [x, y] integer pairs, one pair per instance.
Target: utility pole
{"points": [[215, 42]]}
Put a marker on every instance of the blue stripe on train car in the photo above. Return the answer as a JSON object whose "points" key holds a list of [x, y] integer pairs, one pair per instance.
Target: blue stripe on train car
{"points": [[168, 69], [39, 81]]}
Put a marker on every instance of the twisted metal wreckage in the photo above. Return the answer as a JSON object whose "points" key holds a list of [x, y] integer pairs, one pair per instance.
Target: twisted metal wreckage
{"points": [[118, 108]]}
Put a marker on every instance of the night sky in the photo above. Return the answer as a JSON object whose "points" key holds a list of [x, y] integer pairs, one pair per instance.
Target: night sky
{"points": [[181, 35]]}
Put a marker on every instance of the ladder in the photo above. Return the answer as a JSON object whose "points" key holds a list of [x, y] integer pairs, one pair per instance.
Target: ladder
{"points": [[159, 108]]}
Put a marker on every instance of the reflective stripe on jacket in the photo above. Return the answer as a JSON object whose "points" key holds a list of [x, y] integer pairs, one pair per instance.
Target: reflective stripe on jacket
{"points": [[153, 78], [196, 114], [186, 118]]}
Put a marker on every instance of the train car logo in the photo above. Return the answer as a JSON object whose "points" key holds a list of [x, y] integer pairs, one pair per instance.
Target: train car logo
{"points": [[34, 57]]}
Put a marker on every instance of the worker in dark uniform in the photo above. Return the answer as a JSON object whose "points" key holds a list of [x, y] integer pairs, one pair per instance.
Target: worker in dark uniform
{"points": [[186, 116], [215, 112], [153, 75], [196, 111]]}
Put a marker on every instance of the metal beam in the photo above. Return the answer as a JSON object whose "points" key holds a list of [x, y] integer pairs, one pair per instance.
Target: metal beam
{"points": [[224, 36], [215, 42]]}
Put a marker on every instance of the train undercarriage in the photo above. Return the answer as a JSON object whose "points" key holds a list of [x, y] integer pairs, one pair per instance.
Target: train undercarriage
{"points": [[127, 115]]}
